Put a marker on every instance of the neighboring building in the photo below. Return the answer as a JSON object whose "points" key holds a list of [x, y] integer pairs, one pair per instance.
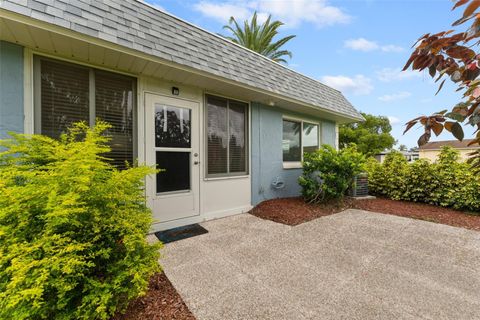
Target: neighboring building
{"points": [[410, 156], [227, 124], [432, 149]]}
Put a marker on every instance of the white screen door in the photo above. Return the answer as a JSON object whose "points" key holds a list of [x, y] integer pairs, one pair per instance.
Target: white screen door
{"points": [[172, 144]]}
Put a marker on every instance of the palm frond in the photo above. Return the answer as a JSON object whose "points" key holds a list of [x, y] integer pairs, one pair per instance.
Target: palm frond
{"points": [[259, 38]]}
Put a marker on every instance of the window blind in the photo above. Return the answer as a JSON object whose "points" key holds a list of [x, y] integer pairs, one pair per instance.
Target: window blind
{"points": [[227, 136], [237, 121], [64, 96], [217, 135], [114, 104]]}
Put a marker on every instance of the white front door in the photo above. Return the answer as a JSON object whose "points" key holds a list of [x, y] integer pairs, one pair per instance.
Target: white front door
{"points": [[172, 144]]}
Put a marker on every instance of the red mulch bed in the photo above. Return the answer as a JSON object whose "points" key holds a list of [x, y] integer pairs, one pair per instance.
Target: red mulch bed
{"points": [[162, 302], [293, 211]]}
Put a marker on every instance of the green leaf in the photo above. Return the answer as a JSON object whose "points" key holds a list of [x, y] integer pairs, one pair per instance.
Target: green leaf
{"points": [[455, 116], [457, 131]]}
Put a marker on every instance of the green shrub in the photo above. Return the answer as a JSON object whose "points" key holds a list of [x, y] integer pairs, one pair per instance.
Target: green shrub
{"points": [[328, 173], [447, 182], [72, 228]]}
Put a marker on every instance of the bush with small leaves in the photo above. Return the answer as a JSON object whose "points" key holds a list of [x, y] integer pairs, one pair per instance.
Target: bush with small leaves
{"points": [[328, 173], [72, 228], [447, 182]]}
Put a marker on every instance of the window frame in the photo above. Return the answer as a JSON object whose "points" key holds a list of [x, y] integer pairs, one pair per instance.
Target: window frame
{"points": [[231, 175], [36, 59], [298, 164]]}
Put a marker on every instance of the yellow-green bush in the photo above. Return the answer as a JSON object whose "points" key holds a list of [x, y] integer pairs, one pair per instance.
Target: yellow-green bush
{"points": [[72, 228], [447, 182]]}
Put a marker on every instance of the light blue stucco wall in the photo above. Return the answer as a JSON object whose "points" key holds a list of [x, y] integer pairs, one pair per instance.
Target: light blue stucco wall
{"points": [[267, 157], [11, 88]]}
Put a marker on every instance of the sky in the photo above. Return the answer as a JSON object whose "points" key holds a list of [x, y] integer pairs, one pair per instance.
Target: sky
{"points": [[356, 46]]}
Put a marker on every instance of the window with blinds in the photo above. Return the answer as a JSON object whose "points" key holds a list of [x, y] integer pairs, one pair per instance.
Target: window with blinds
{"points": [[68, 93], [227, 129]]}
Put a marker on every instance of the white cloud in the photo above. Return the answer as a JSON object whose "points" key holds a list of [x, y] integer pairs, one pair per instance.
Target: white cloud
{"points": [[292, 13], [362, 44], [391, 48], [393, 74], [222, 11], [395, 96], [359, 84], [393, 120]]}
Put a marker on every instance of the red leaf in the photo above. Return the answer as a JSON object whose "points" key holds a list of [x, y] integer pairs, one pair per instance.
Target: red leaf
{"points": [[459, 3], [423, 139], [409, 126], [448, 125], [437, 128], [471, 8]]}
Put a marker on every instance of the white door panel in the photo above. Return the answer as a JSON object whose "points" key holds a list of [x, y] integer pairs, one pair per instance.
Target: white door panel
{"points": [[172, 144]]}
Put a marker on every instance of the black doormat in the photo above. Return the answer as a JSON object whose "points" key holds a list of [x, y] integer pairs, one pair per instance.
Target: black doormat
{"points": [[180, 233]]}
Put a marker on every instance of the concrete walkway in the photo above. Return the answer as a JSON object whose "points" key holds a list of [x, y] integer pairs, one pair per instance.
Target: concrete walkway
{"points": [[351, 265]]}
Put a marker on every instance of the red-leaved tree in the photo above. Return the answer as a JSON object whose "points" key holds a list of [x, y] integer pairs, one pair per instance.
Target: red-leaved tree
{"points": [[451, 54]]}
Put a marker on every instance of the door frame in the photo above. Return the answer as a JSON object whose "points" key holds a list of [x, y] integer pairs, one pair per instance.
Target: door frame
{"points": [[151, 194]]}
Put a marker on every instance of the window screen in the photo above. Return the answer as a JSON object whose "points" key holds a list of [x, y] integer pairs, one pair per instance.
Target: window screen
{"points": [[65, 97], [227, 147], [310, 137]]}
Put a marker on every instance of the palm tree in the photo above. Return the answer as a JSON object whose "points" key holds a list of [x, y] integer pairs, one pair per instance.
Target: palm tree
{"points": [[259, 38]]}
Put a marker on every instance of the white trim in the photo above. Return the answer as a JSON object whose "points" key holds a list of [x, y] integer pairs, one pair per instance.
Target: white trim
{"points": [[222, 176], [205, 93], [113, 46], [292, 164], [81, 63], [159, 226], [28, 102], [298, 164], [226, 178]]}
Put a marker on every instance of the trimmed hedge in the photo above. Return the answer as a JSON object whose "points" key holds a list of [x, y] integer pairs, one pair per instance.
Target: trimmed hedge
{"points": [[72, 228], [446, 183]]}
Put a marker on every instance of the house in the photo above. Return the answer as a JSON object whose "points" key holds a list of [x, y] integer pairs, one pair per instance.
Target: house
{"points": [[227, 124], [410, 156], [432, 149]]}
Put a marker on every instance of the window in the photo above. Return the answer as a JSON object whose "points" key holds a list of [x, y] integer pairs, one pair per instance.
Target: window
{"points": [[227, 128], [173, 135], [298, 137], [66, 93]]}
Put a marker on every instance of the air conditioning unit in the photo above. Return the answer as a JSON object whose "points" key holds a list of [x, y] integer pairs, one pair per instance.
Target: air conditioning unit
{"points": [[360, 186]]}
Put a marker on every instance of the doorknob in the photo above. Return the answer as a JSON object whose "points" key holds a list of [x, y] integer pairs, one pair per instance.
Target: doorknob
{"points": [[196, 162]]}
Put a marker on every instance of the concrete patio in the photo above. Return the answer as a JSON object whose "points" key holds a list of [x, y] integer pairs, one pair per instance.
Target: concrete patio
{"points": [[351, 265]]}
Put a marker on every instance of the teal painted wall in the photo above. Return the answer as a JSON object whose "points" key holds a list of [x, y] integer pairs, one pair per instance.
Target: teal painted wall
{"points": [[11, 88], [267, 157]]}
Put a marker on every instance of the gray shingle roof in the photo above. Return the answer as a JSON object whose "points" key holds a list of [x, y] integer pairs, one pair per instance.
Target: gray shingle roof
{"points": [[141, 27]]}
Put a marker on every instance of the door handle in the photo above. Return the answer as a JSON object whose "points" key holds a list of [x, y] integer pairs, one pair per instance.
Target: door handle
{"points": [[196, 162]]}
